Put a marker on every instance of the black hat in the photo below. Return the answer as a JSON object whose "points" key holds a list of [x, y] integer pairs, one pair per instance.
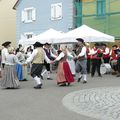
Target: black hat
{"points": [[38, 44], [97, 44], [5, 44], [80, 39], [47, 43]]}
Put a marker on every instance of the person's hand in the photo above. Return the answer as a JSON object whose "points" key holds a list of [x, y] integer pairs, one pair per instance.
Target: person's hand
{"points": [[75, 58], [51, 62]]}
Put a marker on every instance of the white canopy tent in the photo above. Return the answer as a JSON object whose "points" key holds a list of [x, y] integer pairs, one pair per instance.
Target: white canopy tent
{"points": [[88, 34], [52, 36], [49, 36]]}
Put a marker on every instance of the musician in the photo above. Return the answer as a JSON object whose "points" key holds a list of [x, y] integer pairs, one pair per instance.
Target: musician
{"points": [[88, 57], [81, 63], [106, 53], [96, 53], [118, 61], [113, 59]]}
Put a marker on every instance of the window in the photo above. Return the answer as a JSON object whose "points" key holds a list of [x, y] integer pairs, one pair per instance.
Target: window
{"points": [[28, 15], [101, 7], [28, 35], [56, 11]]}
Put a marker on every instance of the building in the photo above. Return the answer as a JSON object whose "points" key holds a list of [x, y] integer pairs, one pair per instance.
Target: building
{"points": [[7, 21], [36, 16], [102, 15]]}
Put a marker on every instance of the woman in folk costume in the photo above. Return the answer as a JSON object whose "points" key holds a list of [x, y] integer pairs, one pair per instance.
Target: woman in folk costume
{"points": [[64, 76], [81, 61], [19, 67], [37, 58], [70, 56], [4, 52], [9, 79]]}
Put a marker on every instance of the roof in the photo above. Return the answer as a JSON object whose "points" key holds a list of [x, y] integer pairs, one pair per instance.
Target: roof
{"points": [[16, 4]]}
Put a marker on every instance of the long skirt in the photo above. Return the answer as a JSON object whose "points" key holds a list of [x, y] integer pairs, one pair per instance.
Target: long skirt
{"points": [[9, 77], [72, 66], [64, 74], [19, 72]]}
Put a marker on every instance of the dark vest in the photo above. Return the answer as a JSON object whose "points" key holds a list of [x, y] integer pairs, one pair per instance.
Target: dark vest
{"points": [[78, 52]]}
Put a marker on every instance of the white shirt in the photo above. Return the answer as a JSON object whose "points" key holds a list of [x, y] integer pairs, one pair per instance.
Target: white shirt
{"points": [[107, 50], [34, 53], [61, 55], [83, 52], [4, 53], [11, 59]]}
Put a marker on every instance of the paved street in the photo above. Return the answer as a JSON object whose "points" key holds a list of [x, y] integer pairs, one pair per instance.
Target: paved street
{"points": [[99, 99]]}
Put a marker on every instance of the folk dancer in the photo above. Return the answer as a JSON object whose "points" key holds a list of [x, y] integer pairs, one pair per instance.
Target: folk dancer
{"points": [[81, 63], [4, 52], [70, 59], [9, 79], [21, 73], [51, 56], [64, 76], [37, 58]]}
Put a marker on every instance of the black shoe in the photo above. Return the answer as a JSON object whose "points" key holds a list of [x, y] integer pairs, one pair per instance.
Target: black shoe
{"points": [[38, 86], [42, 77], [49, 79], [63, 84], [118, 75], [79, 79], [23, 80], [84, 82], [99, 75], [68, 84]]}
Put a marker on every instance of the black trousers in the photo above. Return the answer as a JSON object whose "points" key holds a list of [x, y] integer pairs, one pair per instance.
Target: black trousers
{"points": [[88, 65], [95, 66], [47, 66], [106, 60], [36, 70]]}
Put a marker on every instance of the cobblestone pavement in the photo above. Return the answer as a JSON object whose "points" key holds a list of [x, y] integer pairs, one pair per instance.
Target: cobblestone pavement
{"points": [[101, 103]]}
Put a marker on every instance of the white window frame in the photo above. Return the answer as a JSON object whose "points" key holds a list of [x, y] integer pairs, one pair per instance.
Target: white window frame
{"points": [[24, 15], [28, 33], [56, 11]]}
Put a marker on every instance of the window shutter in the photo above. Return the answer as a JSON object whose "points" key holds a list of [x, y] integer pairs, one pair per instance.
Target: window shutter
{"points": [[52, 12], [56, 11], [23, 16], [34, 14], [59, 11]]}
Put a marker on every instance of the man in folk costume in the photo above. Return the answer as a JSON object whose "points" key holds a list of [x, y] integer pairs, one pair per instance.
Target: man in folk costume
{"points": [[81, 63], [118, 61], [96, 53], [113, 59], [37, 58], [106, 53], [51, 56], [88, 57]]}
